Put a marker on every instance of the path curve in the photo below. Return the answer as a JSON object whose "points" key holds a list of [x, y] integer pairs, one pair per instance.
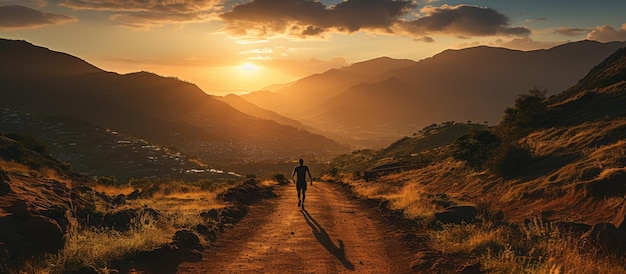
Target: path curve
{"points": [[335, 234]]}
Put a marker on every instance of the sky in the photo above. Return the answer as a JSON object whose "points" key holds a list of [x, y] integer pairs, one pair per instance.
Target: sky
{"points": [[238, 46]]}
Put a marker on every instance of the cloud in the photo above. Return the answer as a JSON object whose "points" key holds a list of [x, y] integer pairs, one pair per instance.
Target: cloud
{"points": [[425, 39], [303, 18], [535, 20], [20, 17], [526, 43], [150, 13], [462, 21], [571, 31], [608, 33]]}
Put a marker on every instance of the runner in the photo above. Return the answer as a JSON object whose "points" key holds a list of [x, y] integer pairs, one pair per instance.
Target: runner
{"points": [[300, 172]]}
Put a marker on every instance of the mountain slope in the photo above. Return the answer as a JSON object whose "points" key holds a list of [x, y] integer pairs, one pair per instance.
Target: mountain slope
{"points": [[306, 93], [576, 172], [474, 84], [601, 94], [166, 110]]}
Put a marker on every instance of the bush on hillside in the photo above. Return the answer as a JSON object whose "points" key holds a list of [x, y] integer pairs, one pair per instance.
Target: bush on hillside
{"points": [[509, 159], [528, 114], [475, 147], [280, 178]]}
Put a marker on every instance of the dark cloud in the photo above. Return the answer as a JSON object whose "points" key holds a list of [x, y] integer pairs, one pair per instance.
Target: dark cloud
{"points": [[608, 33], [571, 31], [306, 17], [463, 21], [18, 17], [425, 39], [149, 13]]}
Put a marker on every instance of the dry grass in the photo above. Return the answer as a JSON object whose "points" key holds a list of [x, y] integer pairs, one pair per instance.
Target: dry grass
{"points": [[537, 248], [95, 247], [90, 246]]}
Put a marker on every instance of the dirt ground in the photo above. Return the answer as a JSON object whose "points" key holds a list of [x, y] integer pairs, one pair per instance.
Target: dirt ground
{"points": [[334, 234]]}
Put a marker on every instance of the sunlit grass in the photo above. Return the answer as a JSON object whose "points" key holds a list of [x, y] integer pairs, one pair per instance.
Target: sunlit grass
{"points": [[537, 248], [96, 247], [179, 205]]}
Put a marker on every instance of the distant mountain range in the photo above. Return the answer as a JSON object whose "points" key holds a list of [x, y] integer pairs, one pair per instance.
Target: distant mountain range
{"points": [[164, 110], [375, 102]]}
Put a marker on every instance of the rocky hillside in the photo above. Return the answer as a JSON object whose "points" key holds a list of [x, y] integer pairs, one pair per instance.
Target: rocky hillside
{"points": [[573, 168], [52, 219]]}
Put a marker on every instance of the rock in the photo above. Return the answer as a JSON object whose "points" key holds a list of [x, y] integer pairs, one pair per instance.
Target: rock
{"points": [[186, 239], [211, 214], [20, 209], [607, 237], [43, 232], [120, 220], [119, 200], [249, 192], [133, 195], [151, 213], [207, 233], [87, 269], [457, 215], [573, 228]]}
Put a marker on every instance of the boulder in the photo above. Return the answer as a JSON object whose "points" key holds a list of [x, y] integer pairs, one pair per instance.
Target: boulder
{"points": [[608, 238], [133, 195], [457, 215], [186, 239], [43, 232], [210, 214], [21, 210], [119, 200], [120, 220]]}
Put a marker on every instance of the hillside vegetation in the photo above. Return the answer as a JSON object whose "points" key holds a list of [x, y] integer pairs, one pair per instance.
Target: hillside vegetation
{"points": [[53, 220], [543, 191]]}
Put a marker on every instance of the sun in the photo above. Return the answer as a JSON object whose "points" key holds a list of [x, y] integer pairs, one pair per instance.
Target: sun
{"points": [[248, 67]]}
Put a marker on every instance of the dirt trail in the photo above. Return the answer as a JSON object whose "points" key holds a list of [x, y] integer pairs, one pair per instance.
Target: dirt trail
{"points": [[335, 234]]}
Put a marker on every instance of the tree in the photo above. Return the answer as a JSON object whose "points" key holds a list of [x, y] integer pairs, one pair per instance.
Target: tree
{"points": [[528, 114], [475, 147]]}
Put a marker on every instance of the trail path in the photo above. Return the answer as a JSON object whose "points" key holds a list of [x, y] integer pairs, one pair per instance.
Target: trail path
{"points": [[335, 234]]}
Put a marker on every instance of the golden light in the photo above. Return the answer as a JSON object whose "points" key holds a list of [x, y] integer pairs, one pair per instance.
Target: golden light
{"points": [[248, 67]]}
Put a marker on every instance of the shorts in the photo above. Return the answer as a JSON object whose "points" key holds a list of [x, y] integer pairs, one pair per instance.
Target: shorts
{"points": [[301, 186]]}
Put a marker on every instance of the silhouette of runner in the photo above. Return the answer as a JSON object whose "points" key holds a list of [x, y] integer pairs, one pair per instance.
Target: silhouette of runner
{"points": [[300, 172]]}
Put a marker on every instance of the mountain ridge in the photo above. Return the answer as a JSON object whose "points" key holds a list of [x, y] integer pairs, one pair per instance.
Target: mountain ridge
{"points": [[162, 109], [474, 84]]}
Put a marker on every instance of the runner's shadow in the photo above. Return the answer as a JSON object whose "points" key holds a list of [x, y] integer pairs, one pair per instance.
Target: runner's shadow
{"points": [[322, 236]]}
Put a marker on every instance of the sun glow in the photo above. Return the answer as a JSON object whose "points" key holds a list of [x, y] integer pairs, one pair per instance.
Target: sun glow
{"points": [[248, 67]]}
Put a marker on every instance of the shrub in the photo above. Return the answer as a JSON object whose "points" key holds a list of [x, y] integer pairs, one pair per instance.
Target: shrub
{"points": [[280, 178], [475, 147], [528, 114], [509, 159]]}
